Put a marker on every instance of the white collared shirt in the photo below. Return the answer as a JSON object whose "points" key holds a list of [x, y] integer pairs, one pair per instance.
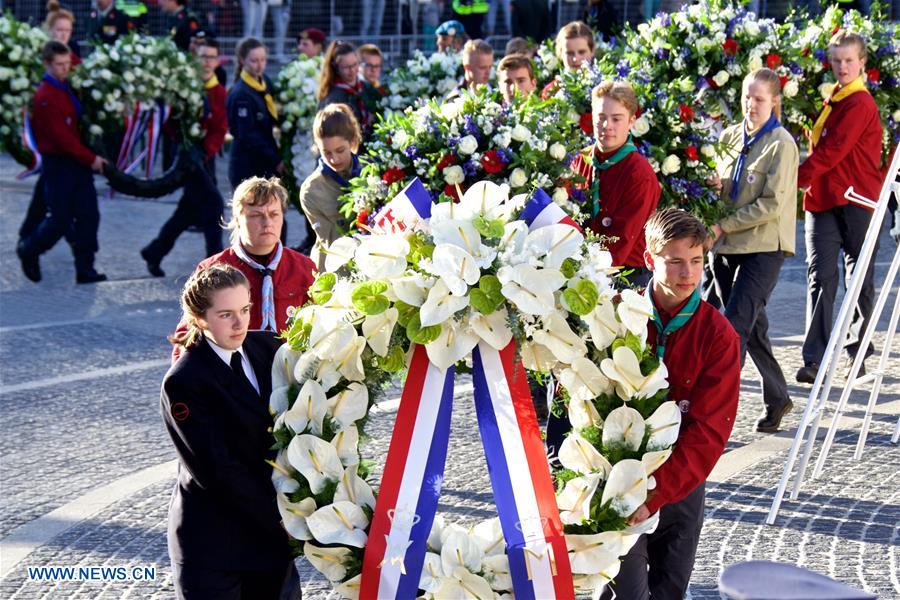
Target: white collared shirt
{"points": [[225, 355]]}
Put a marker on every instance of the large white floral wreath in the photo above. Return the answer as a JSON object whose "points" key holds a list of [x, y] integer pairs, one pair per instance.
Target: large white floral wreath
{"points": [[474, 275]]}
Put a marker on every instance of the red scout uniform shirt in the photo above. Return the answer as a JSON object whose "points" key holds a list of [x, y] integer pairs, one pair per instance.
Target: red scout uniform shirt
{"points": [[216, 122], [848, 153], [54, 121], [703, 360], [629, 194]]}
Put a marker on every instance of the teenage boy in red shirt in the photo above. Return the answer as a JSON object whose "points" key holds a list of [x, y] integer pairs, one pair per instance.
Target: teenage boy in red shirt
{"points": [[623, 187], [845, 151], [702, 354]]}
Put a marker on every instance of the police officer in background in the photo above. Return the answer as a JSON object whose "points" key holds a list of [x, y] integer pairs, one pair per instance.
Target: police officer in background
{"points": [[108, 22], [181, 23]]}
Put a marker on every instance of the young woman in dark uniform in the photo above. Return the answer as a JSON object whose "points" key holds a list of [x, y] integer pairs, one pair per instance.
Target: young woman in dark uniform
{"points": [[225, 536]]}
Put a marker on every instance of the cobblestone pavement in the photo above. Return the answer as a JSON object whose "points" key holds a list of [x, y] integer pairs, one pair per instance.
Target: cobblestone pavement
{"points": [[81, 366]]}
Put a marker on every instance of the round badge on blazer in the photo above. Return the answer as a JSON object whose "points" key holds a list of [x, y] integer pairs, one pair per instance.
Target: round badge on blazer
{"points": [[180, 411], [259, 116], [684, 405], [606, 221], [751, 178], [290, 310]]}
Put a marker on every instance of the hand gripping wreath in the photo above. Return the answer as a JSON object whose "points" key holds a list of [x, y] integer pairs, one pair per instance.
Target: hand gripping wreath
{"points": [[514, 284]]}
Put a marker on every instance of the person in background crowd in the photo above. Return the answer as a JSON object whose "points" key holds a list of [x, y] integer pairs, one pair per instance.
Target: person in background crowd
{"points": [[477, 62], [280, 11], [515, 76], [623, 187], [759, 183], [311, 42], [701, 351], [225, 537], [67, 179], [339, 83], [254, 14], [252, 116], [518, 45], [574, 45], [845, 150], [337, 137], [201, 203], [531, 20], [279, 277], [450, 36], [471, 14], [372, 61], [181, 23], [600, 16], [108, 22], [495, 7], [371, 18]]}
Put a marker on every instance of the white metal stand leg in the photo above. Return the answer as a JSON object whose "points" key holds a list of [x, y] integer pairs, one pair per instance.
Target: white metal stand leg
{"points": [[896, 437]]}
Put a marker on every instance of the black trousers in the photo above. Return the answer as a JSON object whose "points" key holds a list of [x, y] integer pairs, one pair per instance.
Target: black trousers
{"points": [[827, 233], [37, 210], [659, 565], [72, 211], [201, 583], [745, 282], [200, 204]]}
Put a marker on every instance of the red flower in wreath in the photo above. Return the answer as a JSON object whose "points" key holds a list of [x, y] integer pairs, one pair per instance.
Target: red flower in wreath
{"points": [[691, 152], [773, 61], [586, 123], [446, 161], [363, 217], [873, 75], [783, 79], [826, 65], [492, 162], [730, 46], [450, 190], [393, 174], [686, 113]]}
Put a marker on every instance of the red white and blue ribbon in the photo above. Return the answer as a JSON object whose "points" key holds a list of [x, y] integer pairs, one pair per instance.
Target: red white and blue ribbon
{"points": [[158, 118], [411, 484], [409, 208], [541, 211], [31, 144]]}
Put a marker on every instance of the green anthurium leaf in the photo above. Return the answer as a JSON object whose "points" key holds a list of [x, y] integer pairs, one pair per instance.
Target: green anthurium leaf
{"points": [[393, 362], [480, 302], [421, 335], [569, 267], [489, 228], [634, 342], [320, 290], [487, 297], [405, 312], [581, 296], [368, 297], [418, 249]]}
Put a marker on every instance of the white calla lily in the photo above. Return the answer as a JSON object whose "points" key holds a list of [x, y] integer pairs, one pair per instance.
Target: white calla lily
{"points": [[316, 459], [579, 455], [458, 232], [460, 550], [634, 311], [583, 413], [555, 243], [349, 359], [331, 332], [308, 410], [382, 256], [655, 459], [453, 344], [575, 500], [278, 401], [440, 305], [626, 487], [492, 328], [339, 253], [624, 427], [537, 357], [513, 241], [349, 405], [282, 479], [283, 368], [293, 515], [497, 573], [625, 370], [330, 562], [583, 380], [463, 585], [432, 572], [648, 525], [616, 543], [377, 330], [529, 288], [664, 424], [342, 299], [485, 198], [350, 588], [595, 562], [456, 267], [323, 371], [411, 289], [354, 488], [339, 523], [489, 536], [603, 325], [435, 536], [559, 338], [346, 442]]}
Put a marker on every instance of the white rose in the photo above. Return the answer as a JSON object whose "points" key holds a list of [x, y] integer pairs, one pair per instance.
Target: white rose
{"points": [[400, 139], [825, 90], [95, 130], [791, 88], [707, 150], [520, 133], [754, 63], [557, 151], [502, 139], [721, 78], [560, 195], [517, 178], [671, 164], [454, 174], [468, 145], [751, 28], [704, 44], [641, 126], [685, 84], [450, 109], [896, 115]]}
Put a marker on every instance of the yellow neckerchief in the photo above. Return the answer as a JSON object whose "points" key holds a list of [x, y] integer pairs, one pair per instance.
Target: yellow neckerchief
{"points": [[857, 85], [211, 82], [260, 86]]}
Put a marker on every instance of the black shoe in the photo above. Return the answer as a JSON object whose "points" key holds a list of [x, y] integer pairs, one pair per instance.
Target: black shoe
{"points": [[807, 373], [772, 419], [90, 277], [152, 265], [31, 265], [862, 368]]}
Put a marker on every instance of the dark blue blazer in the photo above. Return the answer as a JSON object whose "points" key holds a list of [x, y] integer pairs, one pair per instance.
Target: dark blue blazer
{"points": [[254, 151]]}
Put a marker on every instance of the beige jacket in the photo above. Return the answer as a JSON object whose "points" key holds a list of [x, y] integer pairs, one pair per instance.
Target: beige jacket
{"points": [[319, 198], [765, 214]]}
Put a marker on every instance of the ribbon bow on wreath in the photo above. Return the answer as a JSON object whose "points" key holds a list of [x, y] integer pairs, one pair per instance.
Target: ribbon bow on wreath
{"points": [[499, 279]]}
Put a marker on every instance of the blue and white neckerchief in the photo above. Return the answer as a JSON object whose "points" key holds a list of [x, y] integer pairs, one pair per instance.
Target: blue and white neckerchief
{"points": [[355, 169], [268, 287], [64, 86], [737, 174]]}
